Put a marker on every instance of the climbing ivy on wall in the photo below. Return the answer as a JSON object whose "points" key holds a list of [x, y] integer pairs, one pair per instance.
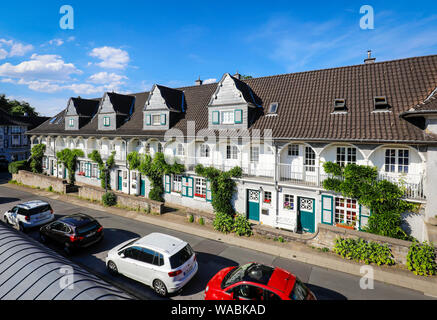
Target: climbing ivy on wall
{"points": [[222, 186], [68, 158], [154, 168], [385, 199], [37, 153], [105, 178]]}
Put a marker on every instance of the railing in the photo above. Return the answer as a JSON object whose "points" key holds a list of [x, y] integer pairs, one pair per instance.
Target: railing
{"points": [[302, 175], [412, 184]]}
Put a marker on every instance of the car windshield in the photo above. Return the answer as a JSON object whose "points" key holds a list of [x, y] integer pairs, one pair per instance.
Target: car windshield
{"points": [[252, 272], [181, 257], [299, 292], [88, 227], [127, 244]]}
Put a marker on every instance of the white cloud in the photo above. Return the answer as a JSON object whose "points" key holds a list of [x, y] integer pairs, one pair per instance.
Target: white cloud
{"points": [[56, 42], [40, 67], [16, 49], [112, 58], [105, 78], [3, 54], [208, 81]]}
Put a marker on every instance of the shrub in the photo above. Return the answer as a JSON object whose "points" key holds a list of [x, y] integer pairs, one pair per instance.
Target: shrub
{"points": [[50, 189], [242, 226], [14, 167], [201, 221], [223, 222], [363, 251], [191, 218], [109, 199], [421, 259]]}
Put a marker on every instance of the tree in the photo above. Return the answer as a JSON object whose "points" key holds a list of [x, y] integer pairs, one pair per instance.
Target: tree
{"points": [[154, 168], [68, 158], [37, 153], [222, 187], [16, 108], [383, 198], [104, 168]]}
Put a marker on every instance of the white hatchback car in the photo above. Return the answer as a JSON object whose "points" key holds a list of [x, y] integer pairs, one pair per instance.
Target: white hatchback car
{"points": [[161, 261], [30, 214]]}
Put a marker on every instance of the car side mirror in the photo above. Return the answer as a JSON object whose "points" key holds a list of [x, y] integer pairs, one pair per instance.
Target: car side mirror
{"points": [[121, 254]]}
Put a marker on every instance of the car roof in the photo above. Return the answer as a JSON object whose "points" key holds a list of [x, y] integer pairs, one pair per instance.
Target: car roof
{"points": [[161, 242], [77, 219], [282, 280], [32, 204]]}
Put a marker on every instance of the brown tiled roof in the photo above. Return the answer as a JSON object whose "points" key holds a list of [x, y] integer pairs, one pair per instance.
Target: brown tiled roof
{"points": [[428, 105], [306, 104]]}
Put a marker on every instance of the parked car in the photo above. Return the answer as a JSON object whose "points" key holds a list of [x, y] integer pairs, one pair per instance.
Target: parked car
{"points": [[257, 282], [30, 214], [73, 232], [160, 261]]}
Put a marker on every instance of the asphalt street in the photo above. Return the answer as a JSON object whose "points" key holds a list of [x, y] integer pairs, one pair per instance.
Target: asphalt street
{"points": [[212, 256]]}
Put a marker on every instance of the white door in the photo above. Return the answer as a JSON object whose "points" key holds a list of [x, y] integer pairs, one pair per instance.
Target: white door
{"points": [[128, 264]]}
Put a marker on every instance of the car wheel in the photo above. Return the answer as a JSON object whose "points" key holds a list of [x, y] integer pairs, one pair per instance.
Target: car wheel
{"points": [[21, 228], [112, 268], [5, 218], [67, 249], [160, 288]]}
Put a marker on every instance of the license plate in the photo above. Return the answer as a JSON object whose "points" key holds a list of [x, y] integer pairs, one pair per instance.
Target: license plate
{"points": [[90, 235], [188, 270]]}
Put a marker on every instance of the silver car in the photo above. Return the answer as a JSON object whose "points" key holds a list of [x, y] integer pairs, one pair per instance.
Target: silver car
{"points": [[30, 214]]}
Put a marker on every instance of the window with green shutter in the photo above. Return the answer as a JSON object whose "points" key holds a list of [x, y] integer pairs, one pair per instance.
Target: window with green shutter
{"points": [[238, 116], [215, 117], [106, 121], [167, 183], [327, 209], [163, 119], [148, 120]]}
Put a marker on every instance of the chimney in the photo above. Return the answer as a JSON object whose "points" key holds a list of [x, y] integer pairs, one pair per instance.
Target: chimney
{"points": [[369, 58], [237, 76], [199, 82]]}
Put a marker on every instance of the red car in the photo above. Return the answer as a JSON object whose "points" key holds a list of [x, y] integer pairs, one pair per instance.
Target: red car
{"points": [[257, 282]]}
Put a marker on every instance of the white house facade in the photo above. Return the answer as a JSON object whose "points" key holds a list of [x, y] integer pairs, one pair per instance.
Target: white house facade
{"points": [[279, 130]]}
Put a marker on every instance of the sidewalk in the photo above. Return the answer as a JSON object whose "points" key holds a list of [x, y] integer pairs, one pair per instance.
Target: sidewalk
{"points": [[396, 275]]}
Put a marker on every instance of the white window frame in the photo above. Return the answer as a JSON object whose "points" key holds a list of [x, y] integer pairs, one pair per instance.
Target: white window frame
{"points": [[71, 122], [204, 151], [231, 152], [293, 150], [228, 117], [290, 201], [200, 188], [180, 150], [344, 211], [154, 117], [399, 163], [267, 197], [346, 155], [176, 184], [254, 154]]}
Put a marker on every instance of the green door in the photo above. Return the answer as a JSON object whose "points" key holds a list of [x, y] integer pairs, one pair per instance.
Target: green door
{"points": [[142, 187], [52, 167], [253, 204], [120, 181], [307, 215]]}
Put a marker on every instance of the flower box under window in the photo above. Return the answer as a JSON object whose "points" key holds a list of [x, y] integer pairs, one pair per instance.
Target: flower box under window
{"points": [[200, 195]]}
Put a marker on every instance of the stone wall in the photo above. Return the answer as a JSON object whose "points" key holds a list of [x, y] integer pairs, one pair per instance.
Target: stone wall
{"points": [[39, 180], [123, 200]]}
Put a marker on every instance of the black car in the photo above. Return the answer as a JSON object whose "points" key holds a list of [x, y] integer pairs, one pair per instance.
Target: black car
{"points": [[73, 232]]}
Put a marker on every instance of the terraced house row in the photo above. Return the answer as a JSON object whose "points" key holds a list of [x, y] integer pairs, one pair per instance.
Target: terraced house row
{"points": [[278, 129]]}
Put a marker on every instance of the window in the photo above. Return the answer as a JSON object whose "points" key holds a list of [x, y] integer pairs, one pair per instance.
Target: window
{"points": [[156, 120], [401, 157], [204, 151], [106, 121], [273, 108], [71, 122], [346, 211], [181, 257], [15, 141], [146, 255], [180, 151], [228, 117], [346, 156], [267, 197], [340, 105], [177, 184], [288, 202], [200, 190], [231, 152], [159, 147], [15, 129], [254, 154], [293, 150], [310, 160], [380, 103], [95, 171]]}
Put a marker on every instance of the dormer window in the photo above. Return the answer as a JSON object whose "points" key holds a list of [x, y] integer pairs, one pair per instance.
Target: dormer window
{"points": [[156, 120], [273, 108], [340, 105], [228, 117], [106, 122], [71, 123], [380, 103]]}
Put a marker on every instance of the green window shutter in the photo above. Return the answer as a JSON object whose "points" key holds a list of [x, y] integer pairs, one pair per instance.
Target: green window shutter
{"points": [[238, 116], [208, 191], [327, 210], [167, 183], [148, 120], [184, 187], [88, 170], [190, 188], [215, 117], [163, 119], [106, 121]]}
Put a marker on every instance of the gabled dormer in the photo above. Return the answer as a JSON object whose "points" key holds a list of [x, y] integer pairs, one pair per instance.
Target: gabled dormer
{"points": [[233, 105], [79, 112], [114, 110], [163, 108]]}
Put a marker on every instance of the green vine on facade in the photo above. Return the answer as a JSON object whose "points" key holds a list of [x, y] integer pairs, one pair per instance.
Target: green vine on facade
{"points": [[37, 153], [223, 187], [104, 168], [383, 198], [68, 158], [154, 168]]}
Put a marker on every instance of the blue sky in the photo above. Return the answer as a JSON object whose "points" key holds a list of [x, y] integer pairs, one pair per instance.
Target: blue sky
{"points": [[127, 46]]}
